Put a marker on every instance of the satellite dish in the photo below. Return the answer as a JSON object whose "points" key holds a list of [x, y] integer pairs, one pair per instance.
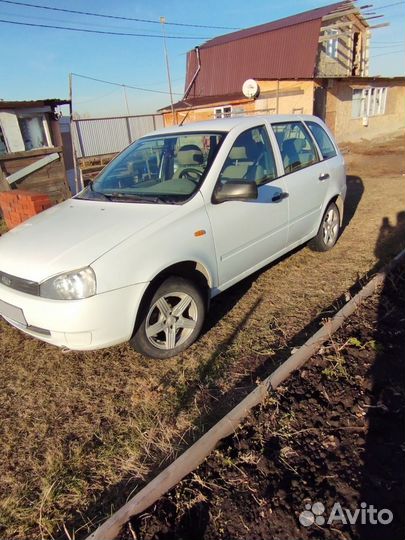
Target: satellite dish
{"points": [[250, 88]]}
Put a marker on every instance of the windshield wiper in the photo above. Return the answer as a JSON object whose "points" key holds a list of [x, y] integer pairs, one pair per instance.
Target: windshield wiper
{"points": [[94, 194], [151, 199]]}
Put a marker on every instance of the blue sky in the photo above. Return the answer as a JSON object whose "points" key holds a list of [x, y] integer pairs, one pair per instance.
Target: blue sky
{"points": [[38, 60]]}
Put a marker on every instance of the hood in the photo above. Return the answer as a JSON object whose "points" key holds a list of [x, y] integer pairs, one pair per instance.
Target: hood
{"points": [[72, 235]]}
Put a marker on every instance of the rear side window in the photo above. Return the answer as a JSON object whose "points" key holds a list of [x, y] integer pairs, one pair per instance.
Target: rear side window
{"points": [[323, 140], [296, 146]]}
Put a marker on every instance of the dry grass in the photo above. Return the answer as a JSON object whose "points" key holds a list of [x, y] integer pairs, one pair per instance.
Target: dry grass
{"points": [[3, 227], [81, 431]]}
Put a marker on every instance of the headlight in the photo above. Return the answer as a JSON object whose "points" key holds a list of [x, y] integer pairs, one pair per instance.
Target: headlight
{"points": [[70, 286]]}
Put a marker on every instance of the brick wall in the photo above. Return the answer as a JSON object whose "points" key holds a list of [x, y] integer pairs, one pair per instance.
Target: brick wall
{"points": [[18, 205]]}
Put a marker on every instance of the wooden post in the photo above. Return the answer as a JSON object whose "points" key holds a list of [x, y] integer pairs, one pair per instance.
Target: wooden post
{"points": [[278, 96], [4, 185]]}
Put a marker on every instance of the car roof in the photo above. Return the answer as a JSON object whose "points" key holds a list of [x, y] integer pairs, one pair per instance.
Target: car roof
{"points": [[228, 124]]}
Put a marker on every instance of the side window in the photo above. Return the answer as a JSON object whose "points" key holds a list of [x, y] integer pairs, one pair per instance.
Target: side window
{"points": [[296, 146], [323, 140], [251, 158]]}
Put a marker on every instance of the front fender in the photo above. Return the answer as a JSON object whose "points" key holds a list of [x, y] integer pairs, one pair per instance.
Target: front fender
{"points": [[147, 254]]}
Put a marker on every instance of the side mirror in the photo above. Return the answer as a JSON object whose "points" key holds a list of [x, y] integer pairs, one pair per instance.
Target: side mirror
{"points": [[235, 190]]}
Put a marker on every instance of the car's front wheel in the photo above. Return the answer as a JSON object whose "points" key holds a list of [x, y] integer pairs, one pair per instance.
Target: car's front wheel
{"points": [[171, 321], [329, 229]]}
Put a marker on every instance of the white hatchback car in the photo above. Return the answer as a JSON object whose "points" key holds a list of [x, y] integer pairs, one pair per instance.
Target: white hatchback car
{"points": [[179, 216]]}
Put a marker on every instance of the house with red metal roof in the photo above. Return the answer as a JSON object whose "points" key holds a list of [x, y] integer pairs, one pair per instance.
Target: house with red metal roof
{"points": [[301, 64]]}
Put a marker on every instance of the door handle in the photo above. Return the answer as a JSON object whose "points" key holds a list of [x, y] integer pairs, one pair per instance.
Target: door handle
{"points": [[279, 196], [323, 177]]}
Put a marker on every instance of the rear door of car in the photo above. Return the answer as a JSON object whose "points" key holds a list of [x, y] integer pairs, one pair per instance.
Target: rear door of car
{"points": [[306, 177], [331, 156]]}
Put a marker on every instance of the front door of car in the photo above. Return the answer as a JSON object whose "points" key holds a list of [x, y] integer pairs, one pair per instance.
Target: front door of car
{"points": [[307, 179], [248, 234]]}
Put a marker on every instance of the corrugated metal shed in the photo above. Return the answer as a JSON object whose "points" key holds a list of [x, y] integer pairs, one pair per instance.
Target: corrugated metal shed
{"points": [[282, 49]]}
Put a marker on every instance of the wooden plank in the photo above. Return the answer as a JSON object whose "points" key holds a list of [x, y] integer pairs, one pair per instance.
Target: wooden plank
{"points": [[382, 25], [334, 36], [30, 153], [333, 26], [25, 171], [338, 14]]}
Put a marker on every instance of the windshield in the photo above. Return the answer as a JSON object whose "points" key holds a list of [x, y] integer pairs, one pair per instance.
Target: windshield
{"points": [[165, 168]]}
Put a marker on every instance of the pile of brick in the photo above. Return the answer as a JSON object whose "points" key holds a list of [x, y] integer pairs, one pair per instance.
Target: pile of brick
{"points": [[18, 205]]}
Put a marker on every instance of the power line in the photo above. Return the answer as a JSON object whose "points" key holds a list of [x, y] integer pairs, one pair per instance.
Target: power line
{"points": [[124, 85], [98, 97], [95, 24], [387, 53], [37, 25], [91, 14], [381, 7], [385, 46]]}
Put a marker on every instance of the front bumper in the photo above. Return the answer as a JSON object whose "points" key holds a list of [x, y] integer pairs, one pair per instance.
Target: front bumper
{"points": [[93, 323]]}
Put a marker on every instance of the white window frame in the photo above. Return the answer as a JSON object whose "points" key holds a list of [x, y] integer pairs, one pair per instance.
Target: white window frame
{"points": [[373, 101], [333, 43], [5, 138], [41, 115], [221, 112]]}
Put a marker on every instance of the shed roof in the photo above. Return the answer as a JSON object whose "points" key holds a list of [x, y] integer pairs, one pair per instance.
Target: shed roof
{"points": [[5, 104]]}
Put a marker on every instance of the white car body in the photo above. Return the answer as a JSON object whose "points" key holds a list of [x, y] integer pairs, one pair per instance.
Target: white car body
{"points": [[128, 245]]}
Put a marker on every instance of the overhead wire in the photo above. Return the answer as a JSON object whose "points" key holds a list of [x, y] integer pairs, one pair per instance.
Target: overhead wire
{"points": [[109, 16], [94, 25], [122, 85], [389, 5], [88, 30], [385, 54]]}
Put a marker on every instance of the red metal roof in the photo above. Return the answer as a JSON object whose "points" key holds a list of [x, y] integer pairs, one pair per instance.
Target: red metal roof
{"points": [[281, 49], [305, 16]]}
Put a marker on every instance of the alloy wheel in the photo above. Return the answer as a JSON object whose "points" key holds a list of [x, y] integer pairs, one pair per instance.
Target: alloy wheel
{"points": [[171, 320]]}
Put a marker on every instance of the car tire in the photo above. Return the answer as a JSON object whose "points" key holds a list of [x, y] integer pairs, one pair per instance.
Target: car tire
{"points": [[171, 320], [329, 230]]}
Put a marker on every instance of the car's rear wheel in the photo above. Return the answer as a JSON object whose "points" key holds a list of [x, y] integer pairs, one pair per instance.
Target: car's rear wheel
{"points": [[329, 229], [171, 321]]}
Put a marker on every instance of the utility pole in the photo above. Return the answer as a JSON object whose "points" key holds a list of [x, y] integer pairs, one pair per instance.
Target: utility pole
{"points": [[126, 98], [78, 186], [163, 22]]}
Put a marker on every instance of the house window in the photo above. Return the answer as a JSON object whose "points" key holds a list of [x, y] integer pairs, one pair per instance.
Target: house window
{"points": [[223, 112], [332, 43], [369, 102], [34, 131], [3, 143]]}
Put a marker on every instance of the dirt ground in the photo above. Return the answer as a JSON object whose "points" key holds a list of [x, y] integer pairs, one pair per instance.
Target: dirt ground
{"points": [[334, 433], [81, 431]]}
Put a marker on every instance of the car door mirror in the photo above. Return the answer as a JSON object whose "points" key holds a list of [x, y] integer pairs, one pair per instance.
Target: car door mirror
{"points": [[235, 190]]}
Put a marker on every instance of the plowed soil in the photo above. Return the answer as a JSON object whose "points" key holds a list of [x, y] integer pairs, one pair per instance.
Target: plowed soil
{"points": [[334, 433]]}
